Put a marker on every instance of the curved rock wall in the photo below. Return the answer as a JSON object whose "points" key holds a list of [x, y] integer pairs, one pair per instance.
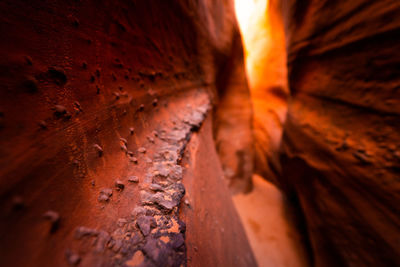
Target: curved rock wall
{"points": [[341, 138], [98, 102]]}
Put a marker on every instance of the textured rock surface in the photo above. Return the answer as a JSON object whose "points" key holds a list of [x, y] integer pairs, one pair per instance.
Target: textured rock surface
{"points": [[341, 139], [94, 93]]}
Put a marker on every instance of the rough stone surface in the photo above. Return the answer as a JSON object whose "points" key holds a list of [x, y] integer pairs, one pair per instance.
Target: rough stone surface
{"points": [[342, 128], [104, 76]]}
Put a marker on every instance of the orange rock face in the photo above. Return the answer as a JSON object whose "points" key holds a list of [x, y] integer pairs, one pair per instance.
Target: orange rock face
{"points": [[341, 138]]}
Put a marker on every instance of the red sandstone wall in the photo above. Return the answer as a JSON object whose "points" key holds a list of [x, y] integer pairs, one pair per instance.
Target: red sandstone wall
{"points": [[341, 138], [75, 77]]}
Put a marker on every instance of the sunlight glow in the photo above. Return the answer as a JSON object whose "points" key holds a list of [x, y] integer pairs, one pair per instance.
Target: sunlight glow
{"points": [[252, 19]]}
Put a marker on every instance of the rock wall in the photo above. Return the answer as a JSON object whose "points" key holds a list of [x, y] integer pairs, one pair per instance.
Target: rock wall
{"points": [[341, 139], [98, 102]]}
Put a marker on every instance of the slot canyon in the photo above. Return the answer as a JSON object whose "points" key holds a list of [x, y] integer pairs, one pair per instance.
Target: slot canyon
{"points": [[200, 133]]}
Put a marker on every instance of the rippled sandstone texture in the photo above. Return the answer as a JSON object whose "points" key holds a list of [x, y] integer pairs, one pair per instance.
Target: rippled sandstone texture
{"points": [[341, 152], [99, 101]]}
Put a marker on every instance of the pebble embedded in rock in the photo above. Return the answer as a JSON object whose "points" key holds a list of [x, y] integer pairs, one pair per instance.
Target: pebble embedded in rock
{"points": [[18, 203], [121, 222], [142, 150], [77, 106], [28, 60], [103, 198], [57, 75], [43, 124], [31, 84], [120, 185], [123, 140], [106, 191], [99, 149], [145, 223], [123, 147], [133, 159], [59, 110], [83, 231], [138, 211], [361, 157], [151, 139], [54, 219], [155, 102], [133, 179], [156, 187], [73, 258]]}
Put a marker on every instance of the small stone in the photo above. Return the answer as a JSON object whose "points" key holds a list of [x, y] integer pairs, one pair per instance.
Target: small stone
{"points": [[67, 115], [43, 124], [123, 147], [93, 183], [187, 202], [133, 159], [123, 140], [117, 95], [77, 106], [132, 130], [18, 203], [58, 75], [121, 222], [141, 107], [177, 240], [155, 133], [151, 139], [138, 211], [142, 150], [59, 110], [28, 60], [102, 240], [83, 231], [99, 149], [31, 84], [73, 258], [119, 185], [103, 198], [117, 245], [155, 102], [54, 218], [361, 157], [156, 187], [106, 191], [133, 179], [145, 223]]}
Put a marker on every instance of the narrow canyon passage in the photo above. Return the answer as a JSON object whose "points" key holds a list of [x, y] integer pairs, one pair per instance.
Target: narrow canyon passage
{"points": [[199, 133]]}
